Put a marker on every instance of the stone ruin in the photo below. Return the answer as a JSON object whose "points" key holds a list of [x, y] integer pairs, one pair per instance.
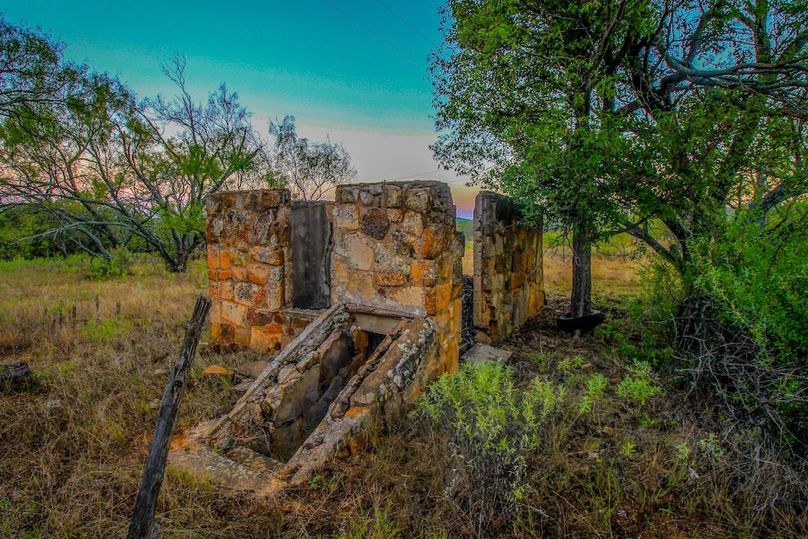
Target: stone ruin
{"points": [[361, 301]]}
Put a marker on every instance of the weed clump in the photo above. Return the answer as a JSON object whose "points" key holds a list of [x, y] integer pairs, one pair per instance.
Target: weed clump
{"points": [[491, 425]]}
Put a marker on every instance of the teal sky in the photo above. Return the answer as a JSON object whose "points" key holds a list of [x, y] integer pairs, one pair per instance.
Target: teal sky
{"points": [[353, 69]]}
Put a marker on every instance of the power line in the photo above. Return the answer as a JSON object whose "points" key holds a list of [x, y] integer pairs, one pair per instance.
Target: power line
{"points": [[407, 24], [399, 51]]}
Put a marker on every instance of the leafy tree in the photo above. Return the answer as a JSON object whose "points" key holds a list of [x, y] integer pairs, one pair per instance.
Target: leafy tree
{"points": [[142, 169], [526, 92], [309, 169], [32, 72], [606, 115]]}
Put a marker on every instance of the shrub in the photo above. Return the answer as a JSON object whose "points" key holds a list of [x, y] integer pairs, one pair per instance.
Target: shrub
{"points": [[490, 426], [638, 384], [109, 268], [742, 331], [593, 392]]}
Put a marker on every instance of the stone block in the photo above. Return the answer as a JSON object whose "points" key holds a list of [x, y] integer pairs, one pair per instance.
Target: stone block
{"points": [[225, 260], [242, 336], [391, 278], [273, 199], [339, 269], [217, 372], [410, 297], [275, 295], [346, 194], [360, 287], [262, 341], [258, 317], [418, 199], [366, 197], [396, 215], [233, 312], [433, 242], [393, 197], [424, 272], [257, 273], [359, 252], [413, 223], [226, 290], [375, 223], [438, 298], [238, 273], [346, 216], [248, 293]]}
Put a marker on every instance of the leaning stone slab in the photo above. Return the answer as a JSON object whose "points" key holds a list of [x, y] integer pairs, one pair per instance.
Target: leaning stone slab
{"points": [[483, 352]]}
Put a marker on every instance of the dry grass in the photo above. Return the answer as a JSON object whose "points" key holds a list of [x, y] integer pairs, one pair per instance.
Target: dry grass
{"points": [[616, 268], [72, 447]]}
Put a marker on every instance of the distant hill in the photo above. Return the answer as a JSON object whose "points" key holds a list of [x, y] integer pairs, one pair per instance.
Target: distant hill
{"points": [[465, 226]]}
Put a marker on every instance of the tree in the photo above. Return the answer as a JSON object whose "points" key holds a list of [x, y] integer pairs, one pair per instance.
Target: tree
{"points": [[607, 115], [309, 169], [31, 70], [142, 169], [715, 108], [525, 93]]}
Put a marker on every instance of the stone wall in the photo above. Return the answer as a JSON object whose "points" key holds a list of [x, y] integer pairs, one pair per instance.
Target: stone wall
{"points": [[248, 245], [508, 277], [396, 247]]}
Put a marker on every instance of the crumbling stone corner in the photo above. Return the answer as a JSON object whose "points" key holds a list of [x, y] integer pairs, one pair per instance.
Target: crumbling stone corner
{"points": [[508, 276], [396, 247]]}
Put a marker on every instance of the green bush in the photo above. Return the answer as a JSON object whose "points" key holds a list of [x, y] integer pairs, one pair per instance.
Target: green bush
{"points": [[759, 276], [110, 268], [638, 384], [744, 327], [490, 426]]}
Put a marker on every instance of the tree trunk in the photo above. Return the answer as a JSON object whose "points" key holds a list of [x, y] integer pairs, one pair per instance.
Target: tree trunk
{"points": [[581, 298]]}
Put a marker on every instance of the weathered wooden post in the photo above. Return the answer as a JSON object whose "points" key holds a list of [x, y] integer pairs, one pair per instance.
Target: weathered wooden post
{"points": [[141, 525]]}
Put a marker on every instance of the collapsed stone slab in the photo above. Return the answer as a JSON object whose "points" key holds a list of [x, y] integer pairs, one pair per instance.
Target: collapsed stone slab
{"points": [[316, 400]]}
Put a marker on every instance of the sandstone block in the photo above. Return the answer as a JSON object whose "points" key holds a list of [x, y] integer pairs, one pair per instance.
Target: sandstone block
{"points": [[396, 215], [424, 272], [225, 260], [242, 336], [217, 372], [248, 293], [418, 199], [391, 278], [360, 252], [275, 295], [409, 296], [366, 198], [262, 341], [392, 196], [272, 198], [438, 298], [258, 317], [413, 223], [360, 287], [233, 312], [433, 242], [346, 216], [375, 223], [238, 273], [257, 273]]}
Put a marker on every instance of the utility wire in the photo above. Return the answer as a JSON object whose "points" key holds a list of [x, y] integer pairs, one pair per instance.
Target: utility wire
{"points": [[406, 23], [370, 31]]}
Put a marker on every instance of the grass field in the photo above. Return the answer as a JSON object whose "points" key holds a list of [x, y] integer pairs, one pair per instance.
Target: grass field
{"points": [[617, 266], [629, 464]]}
